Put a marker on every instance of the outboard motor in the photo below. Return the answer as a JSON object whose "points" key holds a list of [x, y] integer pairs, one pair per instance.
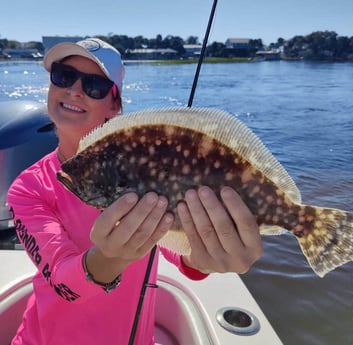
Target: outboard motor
{"points": [[26, 135]]}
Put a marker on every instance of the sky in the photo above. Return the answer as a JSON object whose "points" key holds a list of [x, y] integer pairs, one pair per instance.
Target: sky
{"points": [[24, 20]]}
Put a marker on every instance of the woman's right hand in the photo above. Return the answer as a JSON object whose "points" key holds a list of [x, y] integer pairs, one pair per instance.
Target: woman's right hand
{"points": [[125, 232]]}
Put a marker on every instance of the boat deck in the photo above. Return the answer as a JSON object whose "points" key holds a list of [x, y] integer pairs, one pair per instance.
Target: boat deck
{"points": [[216, 311]]}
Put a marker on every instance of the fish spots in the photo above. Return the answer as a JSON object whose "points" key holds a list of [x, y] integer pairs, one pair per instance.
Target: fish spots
{"points": [[163, 174], [151, 150], [246, 176], [197, 179], [217, 164], [228, 176], [143, 160], [186, 169], [205, 146]]}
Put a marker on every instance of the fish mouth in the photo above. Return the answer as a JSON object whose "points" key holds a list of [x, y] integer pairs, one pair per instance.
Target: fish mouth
{"points": [[65, 179], [98, 202]]}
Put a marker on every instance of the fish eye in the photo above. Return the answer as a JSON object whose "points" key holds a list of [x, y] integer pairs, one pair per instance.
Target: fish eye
{"points": [[122, 184]]}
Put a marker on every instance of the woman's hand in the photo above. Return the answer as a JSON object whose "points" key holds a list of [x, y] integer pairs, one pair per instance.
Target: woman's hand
{"points": [[125, 232], [224, 237]]}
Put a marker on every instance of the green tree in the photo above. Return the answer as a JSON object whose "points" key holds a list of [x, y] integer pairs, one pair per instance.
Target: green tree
{"points": [[35, 45], [3, 43], [216, 49], [255, 45], [13, 44], [192, 40], [174, 42]]}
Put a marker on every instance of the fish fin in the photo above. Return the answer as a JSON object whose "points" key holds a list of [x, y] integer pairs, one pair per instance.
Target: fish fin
{"points": [[176, 241], [330, 243], [213, 123], [272, 230]]}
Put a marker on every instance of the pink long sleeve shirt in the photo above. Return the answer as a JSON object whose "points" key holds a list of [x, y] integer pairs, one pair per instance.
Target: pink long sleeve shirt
{"points": [[54, 227]]}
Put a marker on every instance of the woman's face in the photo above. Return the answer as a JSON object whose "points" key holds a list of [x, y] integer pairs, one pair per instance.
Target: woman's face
{"points": [[73, 112]]}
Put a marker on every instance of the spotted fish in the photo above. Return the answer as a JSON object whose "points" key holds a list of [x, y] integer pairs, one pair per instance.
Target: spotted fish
{"points": [[172, 150]]}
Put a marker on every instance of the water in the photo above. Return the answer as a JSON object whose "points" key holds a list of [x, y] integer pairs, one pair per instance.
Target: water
{"points": [[303, 112]]}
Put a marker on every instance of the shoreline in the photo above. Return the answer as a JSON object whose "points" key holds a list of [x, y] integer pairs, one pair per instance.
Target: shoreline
{"points": [[195, 61]]}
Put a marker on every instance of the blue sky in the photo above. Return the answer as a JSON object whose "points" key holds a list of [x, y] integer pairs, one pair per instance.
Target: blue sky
{"points": [[24, 20]]}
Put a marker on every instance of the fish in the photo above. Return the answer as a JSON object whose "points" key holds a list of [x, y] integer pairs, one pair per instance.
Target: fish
{"points": [[170, 150]]}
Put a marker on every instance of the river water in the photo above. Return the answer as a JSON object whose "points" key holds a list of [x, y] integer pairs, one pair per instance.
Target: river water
{"points": [[303, 112]]}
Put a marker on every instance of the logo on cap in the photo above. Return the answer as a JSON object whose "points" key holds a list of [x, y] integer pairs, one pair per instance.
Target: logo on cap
{"points": [[90, 45]]}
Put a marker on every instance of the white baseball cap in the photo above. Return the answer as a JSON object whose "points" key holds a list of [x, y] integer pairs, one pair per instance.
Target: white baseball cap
{"points": [[103, 54]]}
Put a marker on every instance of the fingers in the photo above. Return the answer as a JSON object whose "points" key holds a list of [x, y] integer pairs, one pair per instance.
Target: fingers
{"points": [[223, 234], [189, 227], [243, 218], [130, 227], [107, 219], [202, 218], [223, 226], [148, 224]]}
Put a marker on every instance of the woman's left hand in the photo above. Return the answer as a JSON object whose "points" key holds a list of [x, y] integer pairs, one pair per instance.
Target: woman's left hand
{"points": [[224, 236]]}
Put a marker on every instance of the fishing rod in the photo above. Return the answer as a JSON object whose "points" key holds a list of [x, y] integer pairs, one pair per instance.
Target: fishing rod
{"points": [[144, 287], [203, 50], [145, 283]]}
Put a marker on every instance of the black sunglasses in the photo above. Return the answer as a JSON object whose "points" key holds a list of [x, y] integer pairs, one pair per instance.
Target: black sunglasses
{"points": [[94, 85]]}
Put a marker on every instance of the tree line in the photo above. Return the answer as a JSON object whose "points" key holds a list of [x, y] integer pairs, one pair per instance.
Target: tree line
{"points": [[319, 45]]}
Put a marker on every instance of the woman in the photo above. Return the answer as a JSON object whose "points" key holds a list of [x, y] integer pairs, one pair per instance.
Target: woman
{"points": [[82, 254]]}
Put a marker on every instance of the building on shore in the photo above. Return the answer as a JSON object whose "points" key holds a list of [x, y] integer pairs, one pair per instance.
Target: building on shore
{"points": [[192, 50], [50, 41]]}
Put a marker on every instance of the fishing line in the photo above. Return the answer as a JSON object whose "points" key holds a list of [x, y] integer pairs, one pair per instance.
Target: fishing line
{"points": [[145, 283]]}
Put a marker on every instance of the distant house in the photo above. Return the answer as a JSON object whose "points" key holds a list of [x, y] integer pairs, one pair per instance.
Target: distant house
{"points": [[237, 43], [151, 54], [237, 47], [192, 50], [50, 41]]}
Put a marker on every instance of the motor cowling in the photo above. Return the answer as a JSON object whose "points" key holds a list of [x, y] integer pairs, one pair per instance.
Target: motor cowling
{"points": [[26, 135]]}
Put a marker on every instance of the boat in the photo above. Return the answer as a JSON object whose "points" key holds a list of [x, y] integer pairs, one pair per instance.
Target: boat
{"points": [[218, 310], [267, 55]]}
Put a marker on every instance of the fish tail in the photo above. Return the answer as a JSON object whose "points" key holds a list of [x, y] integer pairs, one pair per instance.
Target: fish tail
{"points": [[325, 236]]}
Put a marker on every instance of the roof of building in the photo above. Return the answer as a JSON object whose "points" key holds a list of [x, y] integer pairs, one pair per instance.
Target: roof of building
{"points": [[238, 40], [149, 51]]}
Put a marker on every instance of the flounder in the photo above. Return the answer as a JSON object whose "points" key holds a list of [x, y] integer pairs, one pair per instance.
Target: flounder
{"points": [[172, 150]]}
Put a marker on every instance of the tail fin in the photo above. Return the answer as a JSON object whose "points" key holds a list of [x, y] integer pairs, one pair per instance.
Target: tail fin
{"points": [[329, 244]]}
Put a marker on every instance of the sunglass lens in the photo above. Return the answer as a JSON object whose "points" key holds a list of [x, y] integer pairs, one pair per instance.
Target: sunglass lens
{"points": [[62, 76], [96, 87]]}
